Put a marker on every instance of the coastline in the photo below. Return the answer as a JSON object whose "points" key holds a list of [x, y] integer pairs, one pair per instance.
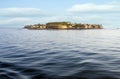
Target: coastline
{"points": [[63, 26]]}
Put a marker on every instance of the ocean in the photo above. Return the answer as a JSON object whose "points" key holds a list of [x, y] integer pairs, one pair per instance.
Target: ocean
{"points": [[59, 54]]}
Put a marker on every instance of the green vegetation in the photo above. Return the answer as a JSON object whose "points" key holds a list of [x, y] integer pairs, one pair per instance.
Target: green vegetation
{"points": [[63, 25]]}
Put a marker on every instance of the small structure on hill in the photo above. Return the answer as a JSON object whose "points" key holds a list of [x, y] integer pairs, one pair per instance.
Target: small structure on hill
{"points": [[36, 26], [87, 26], [58, 25]]}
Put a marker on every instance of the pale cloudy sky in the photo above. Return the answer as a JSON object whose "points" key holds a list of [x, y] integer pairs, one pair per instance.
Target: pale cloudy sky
{"points": [[17, 13]]}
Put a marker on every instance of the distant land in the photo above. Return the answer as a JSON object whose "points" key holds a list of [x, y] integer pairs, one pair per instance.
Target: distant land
{"points": [[63, 26]]}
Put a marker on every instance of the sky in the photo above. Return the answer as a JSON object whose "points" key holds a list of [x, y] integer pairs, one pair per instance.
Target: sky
{"points": [[18, 13]]}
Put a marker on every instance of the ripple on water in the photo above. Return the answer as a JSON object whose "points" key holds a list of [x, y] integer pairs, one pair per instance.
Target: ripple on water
{"points": [[71, 54]]}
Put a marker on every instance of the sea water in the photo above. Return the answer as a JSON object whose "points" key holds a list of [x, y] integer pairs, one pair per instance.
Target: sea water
{"points": [[59, 54]]}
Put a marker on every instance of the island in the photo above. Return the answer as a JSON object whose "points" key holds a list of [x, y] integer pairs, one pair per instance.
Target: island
{"points": [[63, 26]]}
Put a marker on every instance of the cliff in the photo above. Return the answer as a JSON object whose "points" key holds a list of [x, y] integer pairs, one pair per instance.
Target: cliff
{"points": [[63, 25]]}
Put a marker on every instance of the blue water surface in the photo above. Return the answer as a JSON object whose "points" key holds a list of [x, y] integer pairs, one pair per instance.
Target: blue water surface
{"points": [[59, 54]]}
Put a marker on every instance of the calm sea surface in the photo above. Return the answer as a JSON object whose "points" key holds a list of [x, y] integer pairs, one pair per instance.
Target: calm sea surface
{"points": [[59, 54]]}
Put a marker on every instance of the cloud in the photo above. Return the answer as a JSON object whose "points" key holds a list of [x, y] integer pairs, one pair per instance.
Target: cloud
{"points": [[21, 22], [14, 21], [91, 7], [31, 20], [19, 12], [106, 14]]}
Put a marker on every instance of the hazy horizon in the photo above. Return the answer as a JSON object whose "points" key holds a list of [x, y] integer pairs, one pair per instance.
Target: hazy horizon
{"points": [[17, 14]]}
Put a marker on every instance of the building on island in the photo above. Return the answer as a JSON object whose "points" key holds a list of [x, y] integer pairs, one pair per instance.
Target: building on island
{"points": [[87, 26], [36, 26], [58, 25]]}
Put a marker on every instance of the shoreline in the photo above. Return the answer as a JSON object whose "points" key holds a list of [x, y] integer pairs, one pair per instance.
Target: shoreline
{"points": [[63, 26]]}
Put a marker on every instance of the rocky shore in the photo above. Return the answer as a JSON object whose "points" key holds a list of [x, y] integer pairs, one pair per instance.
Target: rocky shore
{"points": [[63, 25]]}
